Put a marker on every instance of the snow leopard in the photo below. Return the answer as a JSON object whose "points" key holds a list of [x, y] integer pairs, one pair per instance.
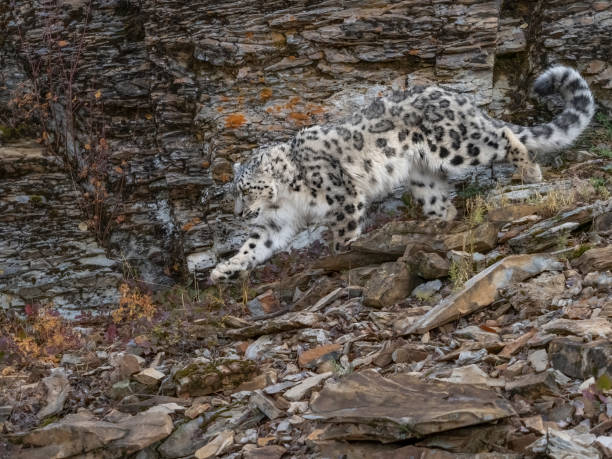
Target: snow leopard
{"points": [[328, 174]]}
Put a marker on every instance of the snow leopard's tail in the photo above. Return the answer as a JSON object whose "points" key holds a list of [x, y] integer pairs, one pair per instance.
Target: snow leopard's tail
{"points": [[567, 126]]}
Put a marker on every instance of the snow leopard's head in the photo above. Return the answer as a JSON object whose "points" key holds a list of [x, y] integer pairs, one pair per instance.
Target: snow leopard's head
{"points": [[253, 186]]}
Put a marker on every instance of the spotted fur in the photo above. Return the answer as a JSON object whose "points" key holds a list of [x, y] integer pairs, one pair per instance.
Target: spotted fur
{"points": [[329, 174]]}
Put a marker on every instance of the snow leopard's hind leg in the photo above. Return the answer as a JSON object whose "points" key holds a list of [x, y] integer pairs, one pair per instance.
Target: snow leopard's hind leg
{"points": [[517, 153], [432, 192], [346, 220]]}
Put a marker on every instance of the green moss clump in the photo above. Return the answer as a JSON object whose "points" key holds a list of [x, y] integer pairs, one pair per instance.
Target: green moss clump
{"points": [[579, 251]]}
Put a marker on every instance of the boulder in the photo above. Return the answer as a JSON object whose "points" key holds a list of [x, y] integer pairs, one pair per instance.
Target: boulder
{"points": [[391, 283], [580, 360]]}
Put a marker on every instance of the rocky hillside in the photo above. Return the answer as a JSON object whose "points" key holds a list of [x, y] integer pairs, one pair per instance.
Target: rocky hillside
{"points": [[490, 335], [147, 104]]}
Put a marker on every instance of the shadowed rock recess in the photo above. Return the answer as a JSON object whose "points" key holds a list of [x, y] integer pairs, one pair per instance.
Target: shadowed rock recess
{"points": [[188, 88]]}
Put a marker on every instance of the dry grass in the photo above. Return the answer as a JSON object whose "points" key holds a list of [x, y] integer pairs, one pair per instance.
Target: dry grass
{"points": [[476, 208], [461, 271]]}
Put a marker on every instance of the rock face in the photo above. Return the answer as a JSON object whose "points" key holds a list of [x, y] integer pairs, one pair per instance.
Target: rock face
{"points": [[186, 90]]}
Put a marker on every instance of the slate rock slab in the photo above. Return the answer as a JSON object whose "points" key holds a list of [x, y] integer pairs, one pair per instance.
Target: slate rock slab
{"points": [[368, 406], [481, 290]]}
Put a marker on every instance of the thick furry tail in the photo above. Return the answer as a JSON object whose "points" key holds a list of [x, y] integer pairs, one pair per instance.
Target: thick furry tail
{"points": [[567, 126]]}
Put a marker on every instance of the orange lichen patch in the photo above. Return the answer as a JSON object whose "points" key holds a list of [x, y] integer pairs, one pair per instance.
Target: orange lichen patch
{"points": [[249, 35], [265, 94], [225, 177], [292, 103], [299, 118], [292, 58], [413, 52], [315, 109], [190, 224], [278, 38], [235, 120], [223, 98], [205, 164], [275, 127], [219, 108]]}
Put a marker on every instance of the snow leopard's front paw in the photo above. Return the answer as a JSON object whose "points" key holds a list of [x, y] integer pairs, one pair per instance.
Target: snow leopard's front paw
{"points": [[225, 271]]}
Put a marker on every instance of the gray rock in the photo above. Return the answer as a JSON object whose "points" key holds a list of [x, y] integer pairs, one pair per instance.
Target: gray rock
{"points": [[57, 388], [427, 290], [580, 360], [185, 440]]}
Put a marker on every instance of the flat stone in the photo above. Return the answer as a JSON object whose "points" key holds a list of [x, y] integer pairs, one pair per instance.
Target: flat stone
{"points": [[261, 348], [427, 290], [409, 237], [265, 303], [199, 378], [216, 447], [149, 377], [538, 360], [472, 375], [576, 443], [545, 234], [312, 358], [266, 405], [264, 452], [353, 259], [265, 379], [289, 321], [533, 384], [408, 354], [81, 433], [123, 388], [299, 391], [125, 364], [596, 259], [56, 388], [5, 412], [402, 406], [476, 333], [596, 328], [511, 213], [143, 430], [280, 387], [516, 344], [605, 444], [482, 289], [196, 409], [429, 265], [185, 439]]}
